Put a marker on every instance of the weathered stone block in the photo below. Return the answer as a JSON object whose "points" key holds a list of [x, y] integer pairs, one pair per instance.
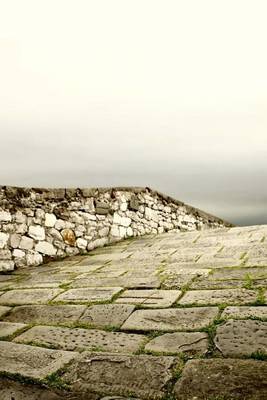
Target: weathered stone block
{"points": [[144, 376], [31, 361], [222, 379], [171, 319], [37, 232], [81, 339], [193, 343], [46, 248], [241, 338], [3, 239]]}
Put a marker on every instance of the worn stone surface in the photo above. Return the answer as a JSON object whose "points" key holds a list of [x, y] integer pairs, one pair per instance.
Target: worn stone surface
{"points": [[245, 312], [193, 343], [223, 296], [81, 339], [186, 279], [222, 379], [88, 295], [105, 315], [174, 319], [31, 361], [144, 376], [46, 314], [236, 338], [4, 310], [10, 390], [9, 328], [149, 298], [28, 296]]}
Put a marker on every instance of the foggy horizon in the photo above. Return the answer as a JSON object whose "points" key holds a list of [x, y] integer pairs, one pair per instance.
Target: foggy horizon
{"points": [[169, 95]]}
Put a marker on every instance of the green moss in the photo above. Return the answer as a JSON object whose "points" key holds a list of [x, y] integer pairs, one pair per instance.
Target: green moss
{"points": [[248, 284], [259, 355]]}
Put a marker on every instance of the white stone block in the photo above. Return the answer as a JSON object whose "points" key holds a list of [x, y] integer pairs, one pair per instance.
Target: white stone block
{"points": [[5, 216], [3, 239], [129, 231], [20, 218], [81, 243], [45, 248], [151, 214], [18, 253], [115, 231], [26, 243], [50, 220], [124, 221], [123, 206], [34, 259], [37, 232], [6, 265]]}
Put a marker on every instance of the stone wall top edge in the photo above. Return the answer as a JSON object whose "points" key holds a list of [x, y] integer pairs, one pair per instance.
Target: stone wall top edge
{"points": [[13, 192]]}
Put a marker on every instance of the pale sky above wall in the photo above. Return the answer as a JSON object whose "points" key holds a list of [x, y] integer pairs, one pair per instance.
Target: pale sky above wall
{"points": [[166, 94]]}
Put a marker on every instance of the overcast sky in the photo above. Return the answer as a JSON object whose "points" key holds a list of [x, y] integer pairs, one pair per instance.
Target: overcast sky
{"points": [[166, 94]]}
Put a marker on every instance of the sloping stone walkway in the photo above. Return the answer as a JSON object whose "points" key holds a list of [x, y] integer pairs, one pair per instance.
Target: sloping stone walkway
{"points": [[175, 316]]}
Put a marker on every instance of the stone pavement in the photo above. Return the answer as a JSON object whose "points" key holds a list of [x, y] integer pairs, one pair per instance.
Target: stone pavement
{"points": [[177, 316]]}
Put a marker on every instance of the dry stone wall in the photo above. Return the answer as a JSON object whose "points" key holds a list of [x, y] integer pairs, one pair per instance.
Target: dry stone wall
{"points": [[37, 225]]}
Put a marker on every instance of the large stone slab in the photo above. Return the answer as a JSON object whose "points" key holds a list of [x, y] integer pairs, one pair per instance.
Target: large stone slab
{"points": [[87, 295], [82, 339], [149, 298], [28, 296], [245, 312], [31, 361], [144, 376], [205, 283], [222, 379], [104, 315], [46, 314], [10, 390], [237, 338], [4, 310], [220, 296], [240, 273], [9, 328], [126, 281], [174, 319], [192, 343]]}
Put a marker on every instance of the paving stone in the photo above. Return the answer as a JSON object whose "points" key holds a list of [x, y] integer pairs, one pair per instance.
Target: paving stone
{"points": [[29, 296], [103, 315], [144, 376], [85, 295], [8, 328], [245, 312], [174, 319], [4, 310], [149, 298], [220, 296], [125, 281], [212, 284], [31, 361], [214, 379], [237, 338], [82, 339], [176, 281], [10, 390], [193, 343], [239, 273], [46, 314], [43, 281]]}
